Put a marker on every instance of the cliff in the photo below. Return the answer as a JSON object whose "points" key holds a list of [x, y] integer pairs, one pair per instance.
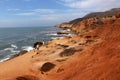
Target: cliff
{"points": [[91, 20], [92, 54]]}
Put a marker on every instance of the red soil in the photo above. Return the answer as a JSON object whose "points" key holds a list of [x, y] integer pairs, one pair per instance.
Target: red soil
{"points": [[99, 60]]}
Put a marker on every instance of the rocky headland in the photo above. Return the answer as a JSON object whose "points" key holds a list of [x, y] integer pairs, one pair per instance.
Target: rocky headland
{"points": [[93, 53]]}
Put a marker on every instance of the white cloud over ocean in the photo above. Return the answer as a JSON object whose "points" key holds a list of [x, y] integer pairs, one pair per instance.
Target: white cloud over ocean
{"points": [[36, 11], [98, 5]]}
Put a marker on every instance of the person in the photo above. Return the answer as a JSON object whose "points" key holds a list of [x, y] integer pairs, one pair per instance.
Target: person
{"points": [[37, 45]]}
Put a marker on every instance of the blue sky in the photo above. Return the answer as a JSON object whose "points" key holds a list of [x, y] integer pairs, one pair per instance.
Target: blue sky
{"points": [[27, 13]]}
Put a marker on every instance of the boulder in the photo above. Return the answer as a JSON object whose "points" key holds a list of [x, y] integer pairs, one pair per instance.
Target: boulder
{"points": [[37, 44]]}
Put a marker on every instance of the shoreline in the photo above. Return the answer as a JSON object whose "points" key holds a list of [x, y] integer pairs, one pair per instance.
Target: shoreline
{"points": [[91, 54], [29, 48]]}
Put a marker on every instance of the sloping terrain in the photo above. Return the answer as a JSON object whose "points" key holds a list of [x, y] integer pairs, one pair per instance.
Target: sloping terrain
{"points": [[92, 54]]}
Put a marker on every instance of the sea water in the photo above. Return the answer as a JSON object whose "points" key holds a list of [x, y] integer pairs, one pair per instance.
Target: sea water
{"points": [[14, 40]]}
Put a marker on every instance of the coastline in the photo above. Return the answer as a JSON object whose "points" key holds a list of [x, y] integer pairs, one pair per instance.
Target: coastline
{"points": [[26, 49], [23, 39], [91, 54]]}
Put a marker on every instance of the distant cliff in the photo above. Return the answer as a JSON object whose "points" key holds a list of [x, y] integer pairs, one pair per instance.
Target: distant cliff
{"points": [[90, 21]]}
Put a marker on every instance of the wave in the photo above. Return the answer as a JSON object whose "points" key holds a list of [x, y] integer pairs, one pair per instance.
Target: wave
{"points": [[56, 37], [21, 38], [28, 48], [70, 35], [14, 46], [7, 57], [52, 34], [12, 50], [4, 59], [8, 52]]}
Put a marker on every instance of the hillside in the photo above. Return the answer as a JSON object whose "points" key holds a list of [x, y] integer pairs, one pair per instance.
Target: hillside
{"points": [[96, 17], [92, 54], [108, 13]]}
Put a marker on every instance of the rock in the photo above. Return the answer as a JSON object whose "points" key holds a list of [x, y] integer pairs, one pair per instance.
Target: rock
{"points": [[47, 67], [22, 52], [69, 52], [60, 70], [63, 46], [37, 45], [27, 77], [62, 32], [64, 25], [14, 56], [61, 60], [88, 37]]}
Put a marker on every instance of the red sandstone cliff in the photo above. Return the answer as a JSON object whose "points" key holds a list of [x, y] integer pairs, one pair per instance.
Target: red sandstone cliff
{"points": [[91, 20], [92, 54]]}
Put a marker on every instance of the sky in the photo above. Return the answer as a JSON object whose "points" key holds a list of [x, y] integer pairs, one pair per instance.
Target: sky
{"points": [[29, 13]]}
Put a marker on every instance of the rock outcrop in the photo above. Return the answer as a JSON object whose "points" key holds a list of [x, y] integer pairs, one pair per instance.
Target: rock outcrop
{"points": [[64, 25]]}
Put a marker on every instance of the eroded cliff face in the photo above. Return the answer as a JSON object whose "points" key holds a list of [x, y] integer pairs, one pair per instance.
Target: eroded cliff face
{"points": [[92, 54], [91, 24], [91, 21]]}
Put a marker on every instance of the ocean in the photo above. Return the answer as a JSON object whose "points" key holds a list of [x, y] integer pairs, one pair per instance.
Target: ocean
{"points": [[14, 40]]}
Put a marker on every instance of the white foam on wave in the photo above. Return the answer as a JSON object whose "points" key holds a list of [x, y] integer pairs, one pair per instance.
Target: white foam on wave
{"points": [[7, 57], [52, 34], [70, 35], [12, 50], [14, 46], [68, 30], [4, 59], [56, 37], [28, 48]]}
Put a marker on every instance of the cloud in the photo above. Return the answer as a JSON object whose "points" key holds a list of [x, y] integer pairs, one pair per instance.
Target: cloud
{"points": [[15, 9], [35, 12], [44, 17], [26, 14], [98, 5], [44, 10], [56, 17], [71, 9], [42, 20]]}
